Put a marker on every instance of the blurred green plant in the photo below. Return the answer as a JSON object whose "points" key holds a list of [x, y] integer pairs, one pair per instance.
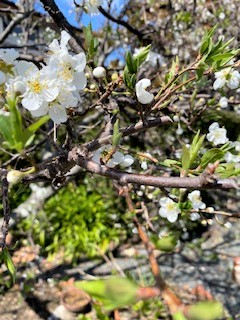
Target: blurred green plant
{"points": [[77, 221]]}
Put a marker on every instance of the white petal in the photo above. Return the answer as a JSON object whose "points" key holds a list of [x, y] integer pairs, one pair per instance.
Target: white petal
{"points": [[162, 212], [50, 94], [163, 201], [32, 101], [79, 80], [23, 67], [128, 161], [143, 96], [118, 156], [40, 111], [80, 62], [65, 37], [233, 83], [58, 114], [172, 217], [219, 83], [214, 126]]}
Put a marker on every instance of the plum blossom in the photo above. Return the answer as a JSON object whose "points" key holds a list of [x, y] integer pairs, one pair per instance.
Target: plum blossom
{"points": [[144, 165], [144, 96], [227, 76], [169, 209], [118, 158], [92, 6], [217, 135], [39, 89], [196, 200]]}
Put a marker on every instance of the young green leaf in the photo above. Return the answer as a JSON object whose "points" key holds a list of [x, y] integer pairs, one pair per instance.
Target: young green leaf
{"points": [[211, 156], [185, 157]]}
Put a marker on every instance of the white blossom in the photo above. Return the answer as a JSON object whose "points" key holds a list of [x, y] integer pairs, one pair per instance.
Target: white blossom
{"points": [[169, 209], [39, 89], [99, 72], [144, 165], [92, 6], [196, 200], [231, 158], [216, 134], [127, 161], [223, 102], [227, 76], [144, 96], [118, 158]]}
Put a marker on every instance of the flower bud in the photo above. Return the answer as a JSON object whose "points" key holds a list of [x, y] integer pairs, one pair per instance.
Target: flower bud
{"points": [[114, 76], [99, 72], [14, 176], [19, 87]]}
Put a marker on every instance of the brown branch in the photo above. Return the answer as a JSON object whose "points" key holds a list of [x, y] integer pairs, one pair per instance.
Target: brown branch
{"points": [[121, 22], [16, 20], [6, 209], [138, 127], [172, 301], [204, 181], [57, 16]]}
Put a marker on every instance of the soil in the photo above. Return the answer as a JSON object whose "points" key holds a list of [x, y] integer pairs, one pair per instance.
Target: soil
{"points": [[196, 270]]}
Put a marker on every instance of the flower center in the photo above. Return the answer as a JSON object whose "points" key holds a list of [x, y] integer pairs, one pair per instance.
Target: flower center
{"points": [[66, 71], [35, 86]]}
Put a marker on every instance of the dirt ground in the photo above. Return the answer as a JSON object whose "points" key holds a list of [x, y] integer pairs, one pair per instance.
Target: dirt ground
{"points": [[194, 267]]}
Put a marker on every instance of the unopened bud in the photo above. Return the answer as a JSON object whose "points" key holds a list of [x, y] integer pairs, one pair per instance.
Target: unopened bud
{"points": [[114, 76], [92, 86], [99, 72], [19, 87], [15, 176]]}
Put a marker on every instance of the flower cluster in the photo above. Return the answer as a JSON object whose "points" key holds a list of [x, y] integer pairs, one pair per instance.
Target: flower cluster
{"points": [[53, 88]]}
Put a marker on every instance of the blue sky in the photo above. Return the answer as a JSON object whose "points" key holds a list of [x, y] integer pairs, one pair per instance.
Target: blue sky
{"points": [[66, 7]]}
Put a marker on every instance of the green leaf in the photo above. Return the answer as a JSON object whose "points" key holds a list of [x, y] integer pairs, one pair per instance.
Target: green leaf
{"points": [[185, 157], [170, 162], [114, 292], [116, 134], [166, 243], [131, 63], [211, 156], [7, 259], [5, 129], [15, 120], [195, 147], [28, 134], [206, 310], [178, 316]]}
